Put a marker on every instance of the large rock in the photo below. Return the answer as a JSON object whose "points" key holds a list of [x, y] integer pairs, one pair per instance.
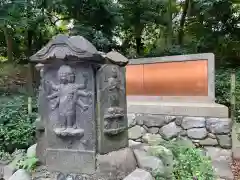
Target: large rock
{"points": [[221, 160], [149, 163], [170, 131], [166, 156], [224, 141], [11, 167], [153, 120], [219, 125], [197, 133], [208, 142], [152, 139], [193, 122], [20, 175], [31, 152], [116, 165], [139, 174], [136, 132]]}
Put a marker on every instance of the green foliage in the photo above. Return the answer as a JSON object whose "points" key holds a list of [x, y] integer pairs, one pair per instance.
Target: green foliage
{"points": [[189, 162], [16, 125], [27, 163]]}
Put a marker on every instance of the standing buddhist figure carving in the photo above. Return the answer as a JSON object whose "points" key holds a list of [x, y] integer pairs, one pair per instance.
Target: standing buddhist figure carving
{"points": [[66, 96], [114, 114]]}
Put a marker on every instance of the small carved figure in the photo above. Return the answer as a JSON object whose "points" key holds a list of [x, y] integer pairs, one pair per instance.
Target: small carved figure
{"points": [[66, 96], [114, 114]]}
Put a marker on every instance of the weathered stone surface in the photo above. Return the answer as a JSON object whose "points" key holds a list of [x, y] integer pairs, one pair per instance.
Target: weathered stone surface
{"points": [[136, 132], [178, 120], [224, 141], [152, 139], [169, 119], [20, 175], [133, 143], [183, 133], [223, 169], [11, 167], [170, 131], [153, 120], [219, 125], [112, 114], [219, 154], [211, 135], [197, 133], [208, 142], [139, 119], [31, 152], [221, 160], [193, 122], [116, 165], [139, 174], [131, 120], [153, 130], [148, 162], [166, 156]]}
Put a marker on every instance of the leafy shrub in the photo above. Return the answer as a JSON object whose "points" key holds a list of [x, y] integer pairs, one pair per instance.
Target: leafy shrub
{"points": [[189, 162], [223, 89], [16, 125]]}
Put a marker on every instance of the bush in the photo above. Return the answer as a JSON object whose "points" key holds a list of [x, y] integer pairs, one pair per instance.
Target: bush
{"points": [[16, 125], [223, 89], [189, 162]]}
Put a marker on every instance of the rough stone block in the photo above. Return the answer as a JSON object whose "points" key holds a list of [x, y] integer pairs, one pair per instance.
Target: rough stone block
{"points": [[139, 174], [148, 162], [170, 131], [71, 161], [116, 165], [152, 139], [112, 119], [193, 122], [136, 132], [219, 125], [153, 120], [20, 175], [224, 141], [197, 133]]}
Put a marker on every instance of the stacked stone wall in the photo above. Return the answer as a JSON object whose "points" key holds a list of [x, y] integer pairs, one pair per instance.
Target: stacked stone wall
{"points": [[212, 135]]}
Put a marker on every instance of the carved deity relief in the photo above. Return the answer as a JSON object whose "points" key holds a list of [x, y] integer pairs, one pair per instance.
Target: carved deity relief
{"points": [[66, 96], [114, 114]]}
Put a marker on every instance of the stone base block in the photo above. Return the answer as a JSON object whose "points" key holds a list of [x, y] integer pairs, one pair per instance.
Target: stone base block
{"points": [[178, 108], [70, 161]]}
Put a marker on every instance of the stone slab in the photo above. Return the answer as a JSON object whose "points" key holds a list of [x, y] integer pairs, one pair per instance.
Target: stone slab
{"points": [[70, 161], [112, 110], [178, 108], [139, 174]]}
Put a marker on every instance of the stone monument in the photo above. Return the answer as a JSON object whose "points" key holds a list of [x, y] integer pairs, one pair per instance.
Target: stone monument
{"points": [[82, 104]]}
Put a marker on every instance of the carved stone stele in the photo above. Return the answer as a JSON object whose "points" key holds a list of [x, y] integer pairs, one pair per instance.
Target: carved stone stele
{"points": [[112, 118], [68, 103]]}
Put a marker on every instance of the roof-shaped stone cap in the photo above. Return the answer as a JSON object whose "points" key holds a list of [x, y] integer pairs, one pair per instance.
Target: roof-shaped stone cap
{"points": [[116, 58], [66, 47]]}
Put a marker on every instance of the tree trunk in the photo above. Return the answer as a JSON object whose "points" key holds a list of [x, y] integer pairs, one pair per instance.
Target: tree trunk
{"points": [[9, 42], [169, 25], [138, 39], [182, 22]]}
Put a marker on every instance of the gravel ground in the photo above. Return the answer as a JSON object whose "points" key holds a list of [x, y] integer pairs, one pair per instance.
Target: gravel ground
{"points": [[236, 169]]}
